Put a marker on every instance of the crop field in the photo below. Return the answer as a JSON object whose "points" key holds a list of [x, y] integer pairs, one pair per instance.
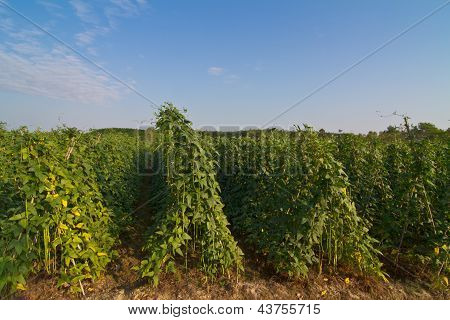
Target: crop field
{"points": [[249, 214]]}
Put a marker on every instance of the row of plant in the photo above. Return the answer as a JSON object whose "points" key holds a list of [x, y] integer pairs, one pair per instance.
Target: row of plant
{"points": [[189, 223], [62, 195], [287, 197], [401, 188], [304, 198], [299, 199]]}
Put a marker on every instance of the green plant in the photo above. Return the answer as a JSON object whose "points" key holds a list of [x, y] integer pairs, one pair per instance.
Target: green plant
{"points": [[287, 196], [190, 220], [400, 187], [61, 194]]}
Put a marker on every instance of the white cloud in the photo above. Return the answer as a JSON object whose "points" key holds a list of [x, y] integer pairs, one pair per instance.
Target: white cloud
{"points": [[24, 48], [84, 38], [52, 7], [25, 35], [92, 51], [127, 7], [56, 74], [84, 11], [231, 78], [87, 37], [49, 5], [123, 9], [31, 66], [215, 71], [6, 24], [100, 22]]}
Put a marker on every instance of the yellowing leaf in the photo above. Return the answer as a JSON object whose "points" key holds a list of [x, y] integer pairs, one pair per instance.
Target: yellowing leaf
{"points": [[76, 213], [358, 256], [323, 293], [445, 280], [347, 280], [436, 251], [101, 254], [64, 203], [80, 225], [20, 287], [87, 236], [63, 226]]}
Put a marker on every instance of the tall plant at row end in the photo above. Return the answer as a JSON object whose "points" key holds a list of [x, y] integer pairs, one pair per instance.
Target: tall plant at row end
{"points": [[190, 219]]}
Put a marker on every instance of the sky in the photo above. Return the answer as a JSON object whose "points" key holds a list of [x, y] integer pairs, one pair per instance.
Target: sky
{"points": [[99, 63]]}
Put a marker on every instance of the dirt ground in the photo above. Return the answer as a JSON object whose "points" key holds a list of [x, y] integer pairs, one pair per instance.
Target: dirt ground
{"points": [[120, 282]]}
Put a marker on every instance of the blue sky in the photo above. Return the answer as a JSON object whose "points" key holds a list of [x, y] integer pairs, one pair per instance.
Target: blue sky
{"points": [[228, 62]]}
